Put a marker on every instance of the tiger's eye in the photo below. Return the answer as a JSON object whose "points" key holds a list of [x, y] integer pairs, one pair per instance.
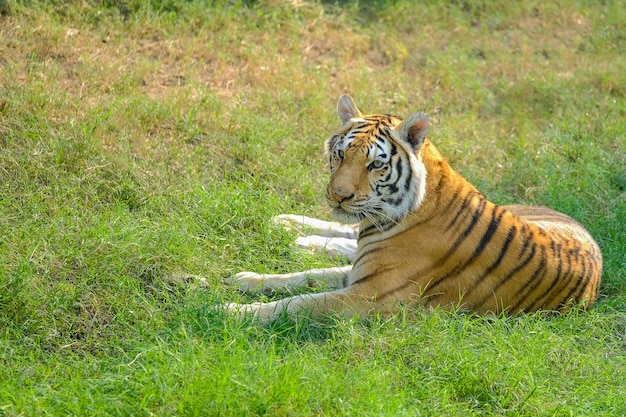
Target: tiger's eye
{"points": [[340, 153], [378, 164]]}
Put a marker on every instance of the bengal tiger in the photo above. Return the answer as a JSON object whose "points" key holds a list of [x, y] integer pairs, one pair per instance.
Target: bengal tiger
{"points": [[426, 236]]}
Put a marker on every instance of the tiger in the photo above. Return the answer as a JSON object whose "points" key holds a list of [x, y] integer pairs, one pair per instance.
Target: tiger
{"points": [[419, 234]]}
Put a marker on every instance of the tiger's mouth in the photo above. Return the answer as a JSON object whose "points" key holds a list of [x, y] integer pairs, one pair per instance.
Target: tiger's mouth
{"points": [[355, 210], [375, 212], [346, 216]]}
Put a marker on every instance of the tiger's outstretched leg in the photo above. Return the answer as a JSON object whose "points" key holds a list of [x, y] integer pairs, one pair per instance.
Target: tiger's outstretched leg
{"points": [[332, 239], [302, 224], [266, 283], [342, 301]]}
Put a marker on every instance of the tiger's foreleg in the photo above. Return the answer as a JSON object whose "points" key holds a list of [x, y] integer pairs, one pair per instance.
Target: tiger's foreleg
{"points": [[309, 225], [341, 301], [332, 247], [329, 238], [266, 283]]}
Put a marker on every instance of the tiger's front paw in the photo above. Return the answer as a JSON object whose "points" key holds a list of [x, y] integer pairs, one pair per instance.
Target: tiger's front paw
{"points": [[290, 222], [262, 312], [241, 309], [247, 282]]}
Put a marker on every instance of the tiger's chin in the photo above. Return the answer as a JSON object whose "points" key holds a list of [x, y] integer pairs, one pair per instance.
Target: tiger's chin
{"points": [[346, 217]]}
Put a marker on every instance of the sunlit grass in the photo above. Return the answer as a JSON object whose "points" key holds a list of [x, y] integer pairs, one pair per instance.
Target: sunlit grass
{"points": [[140, 140]]}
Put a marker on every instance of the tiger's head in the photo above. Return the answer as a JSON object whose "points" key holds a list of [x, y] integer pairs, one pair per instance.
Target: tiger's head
{"points": [[376, 170]]}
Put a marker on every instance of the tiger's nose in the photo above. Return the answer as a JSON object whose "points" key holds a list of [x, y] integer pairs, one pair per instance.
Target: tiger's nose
{"points": [[340, 197]]}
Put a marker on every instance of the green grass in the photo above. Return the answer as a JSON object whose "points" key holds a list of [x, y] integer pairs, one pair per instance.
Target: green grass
{"points": [[141, 139]]}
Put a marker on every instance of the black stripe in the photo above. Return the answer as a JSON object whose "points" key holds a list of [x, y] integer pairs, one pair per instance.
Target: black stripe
{"points": [[408, 181], [466, 202], [363, 253], [393, 189], [535, 277], [565, 279], [593, 273], [444, 210], [478, 213], [384, 295], [389, 174], [527, 237], [558, 278], [575, 254], [527, 244], [581, 289], [344, 281], [399, 169], [371, 275], [496, 263], [475, 217], [365, 232], [581, 284], [393, 201], [494, 223], [386, 225], [436, 264], [453, 200]]}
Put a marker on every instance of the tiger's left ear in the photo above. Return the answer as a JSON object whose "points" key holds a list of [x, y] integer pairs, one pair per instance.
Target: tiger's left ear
{"points": [[414, 129]]}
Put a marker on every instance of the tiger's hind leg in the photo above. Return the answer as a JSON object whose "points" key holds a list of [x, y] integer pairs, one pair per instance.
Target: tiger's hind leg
{"points": [[330, 238]]}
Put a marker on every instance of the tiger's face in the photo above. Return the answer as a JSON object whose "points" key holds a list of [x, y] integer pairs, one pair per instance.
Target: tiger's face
{"points": [[375, 168]]}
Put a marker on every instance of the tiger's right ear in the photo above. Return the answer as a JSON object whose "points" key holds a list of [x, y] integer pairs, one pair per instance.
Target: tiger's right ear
{"points": [[347, 109]]}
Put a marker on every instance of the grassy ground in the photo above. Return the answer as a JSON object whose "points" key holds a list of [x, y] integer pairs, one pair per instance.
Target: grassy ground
{"points": [[140, 139]]}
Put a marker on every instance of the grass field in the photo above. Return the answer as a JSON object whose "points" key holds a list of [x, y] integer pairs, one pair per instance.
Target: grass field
{"points": [[143, 139]]}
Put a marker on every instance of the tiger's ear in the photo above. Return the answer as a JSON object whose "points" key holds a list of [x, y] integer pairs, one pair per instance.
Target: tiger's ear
{"points": [[347, 109], [414, 129]]}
